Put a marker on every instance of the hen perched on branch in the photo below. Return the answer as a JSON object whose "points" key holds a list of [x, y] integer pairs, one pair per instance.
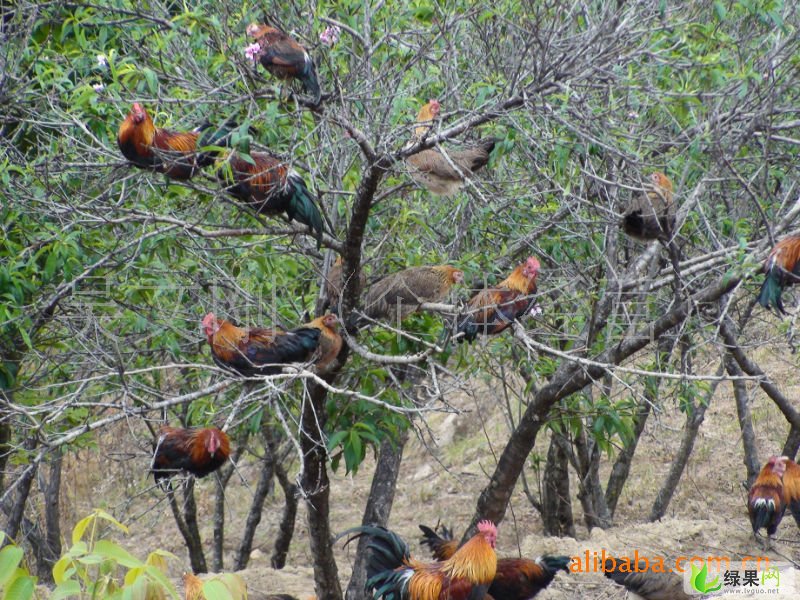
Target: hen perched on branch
{"points": [[260, 351], [284, 57], [196, 451], [516, 578], [651, 215], [444, 174], [393, 575], [782, 268], [334, 285], [270, 187], [401, 293], [492, 310]]}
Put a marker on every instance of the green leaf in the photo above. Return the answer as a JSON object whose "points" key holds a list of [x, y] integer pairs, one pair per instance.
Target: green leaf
{"points": [[117, 553], [10, 558], [21, 589], [152, 80], [719, 10], [67, 589], [216, 590]]}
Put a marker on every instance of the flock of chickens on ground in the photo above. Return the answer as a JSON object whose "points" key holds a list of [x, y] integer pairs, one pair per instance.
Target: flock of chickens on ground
{"points": [[269, 186]]}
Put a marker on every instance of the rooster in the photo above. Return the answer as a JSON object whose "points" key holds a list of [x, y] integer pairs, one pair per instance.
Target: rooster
{"points": [[393, 575], [782, 268], [492, 310], [646, 584], [196, 451], [259, 351], [444, 174], [334, 285], [284, 58], [401, 293], [765, 503], [270, 187], [168, 152], [791, 489], [516, 578], [651, 215]]}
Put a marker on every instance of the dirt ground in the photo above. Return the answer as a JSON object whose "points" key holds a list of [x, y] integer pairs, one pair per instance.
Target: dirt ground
{"points": [[440, 483]]}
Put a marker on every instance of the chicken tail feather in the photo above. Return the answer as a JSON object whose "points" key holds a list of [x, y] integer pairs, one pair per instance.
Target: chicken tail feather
{"points": [[770, 295], [303, 209]]}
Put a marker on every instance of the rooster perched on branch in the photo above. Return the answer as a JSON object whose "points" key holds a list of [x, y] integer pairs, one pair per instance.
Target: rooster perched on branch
{"points": [[169, 152], [782, 268], [402, 292], [444, 174], [651, 215], [270, 187], [765, 502], [492, 310], [259, 351], [283, 57], [516, 578], [393, 575], [196, 451]]}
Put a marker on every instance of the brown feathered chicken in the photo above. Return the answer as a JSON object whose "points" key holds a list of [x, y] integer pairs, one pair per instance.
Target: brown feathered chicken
{"points": [[168, 152], [270, 187], [334, 285], [260, 351], [401, 293], [651, 215], [516, 578], [283, 57], [765, 503], [196, 451], [393, 575], [791, 489], [444, 174], [492, 310], [225, 585], [782, 268], [646, 584]]}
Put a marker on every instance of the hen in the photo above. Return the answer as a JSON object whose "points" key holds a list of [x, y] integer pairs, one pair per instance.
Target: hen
{"points": [[196, 451], [646, 584], [782, 268], [393, 575], [169, 152], [765, 503], [260, 351], [516, 578], [401, 293], [651, 215], [334, 285], [270, 187], [492, 310], [284, 58], [444, 174]]}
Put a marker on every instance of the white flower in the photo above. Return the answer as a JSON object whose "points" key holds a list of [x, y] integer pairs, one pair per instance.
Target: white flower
{"points": [[98, 87], [331, 35], [102, 61], [252, 50]]}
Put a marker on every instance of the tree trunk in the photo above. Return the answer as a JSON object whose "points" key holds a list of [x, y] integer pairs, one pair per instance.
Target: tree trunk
{"points": [[590, 491], [315, 488], [792, 443], [378, 509], [745, 420], [51, 550], [188, 525], [223, 478], [622, 466], [263, 489], [23, 491], [286, 529], [556, 502]]}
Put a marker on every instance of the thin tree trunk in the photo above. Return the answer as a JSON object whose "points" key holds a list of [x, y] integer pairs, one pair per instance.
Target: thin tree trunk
{"points": [[745, 420], [286, 528], [792, 443], [590, 491], [23, 491], [315, 488], [52, 546], [378, 509], [622, 466], [556, 502], [263, 489], [188, 525], [223, 478]]}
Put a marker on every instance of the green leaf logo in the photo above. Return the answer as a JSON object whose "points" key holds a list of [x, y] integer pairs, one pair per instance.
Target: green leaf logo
{"points": [[699, 583]]}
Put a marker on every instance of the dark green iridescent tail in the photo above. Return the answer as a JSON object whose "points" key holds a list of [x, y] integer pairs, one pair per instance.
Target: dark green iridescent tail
{"points": [[302, 207], [770, 295]]}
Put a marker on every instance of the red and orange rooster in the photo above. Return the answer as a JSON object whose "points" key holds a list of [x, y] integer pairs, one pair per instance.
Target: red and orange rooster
{"points": [[516, 578], [440, 174], [765, 502], [791, 489], [492, 310], [196, 451], [270, 187], [260, 351], [168, 152], [393, 575], [283, 57], [782, 268]]}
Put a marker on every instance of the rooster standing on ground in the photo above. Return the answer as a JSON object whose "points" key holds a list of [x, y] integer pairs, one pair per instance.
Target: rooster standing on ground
{"points": [[516, 578], [196, 451], [492, 310], [782, 268], [440, 174], [765, 503], [284, 58], [393, 575]]}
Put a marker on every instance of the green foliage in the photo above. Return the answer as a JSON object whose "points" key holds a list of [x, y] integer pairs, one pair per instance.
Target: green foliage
{"points": [[15, 581]]}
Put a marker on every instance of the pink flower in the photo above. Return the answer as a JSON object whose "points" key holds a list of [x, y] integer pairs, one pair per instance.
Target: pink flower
{"points": [[331, 35], [252, 51]]}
